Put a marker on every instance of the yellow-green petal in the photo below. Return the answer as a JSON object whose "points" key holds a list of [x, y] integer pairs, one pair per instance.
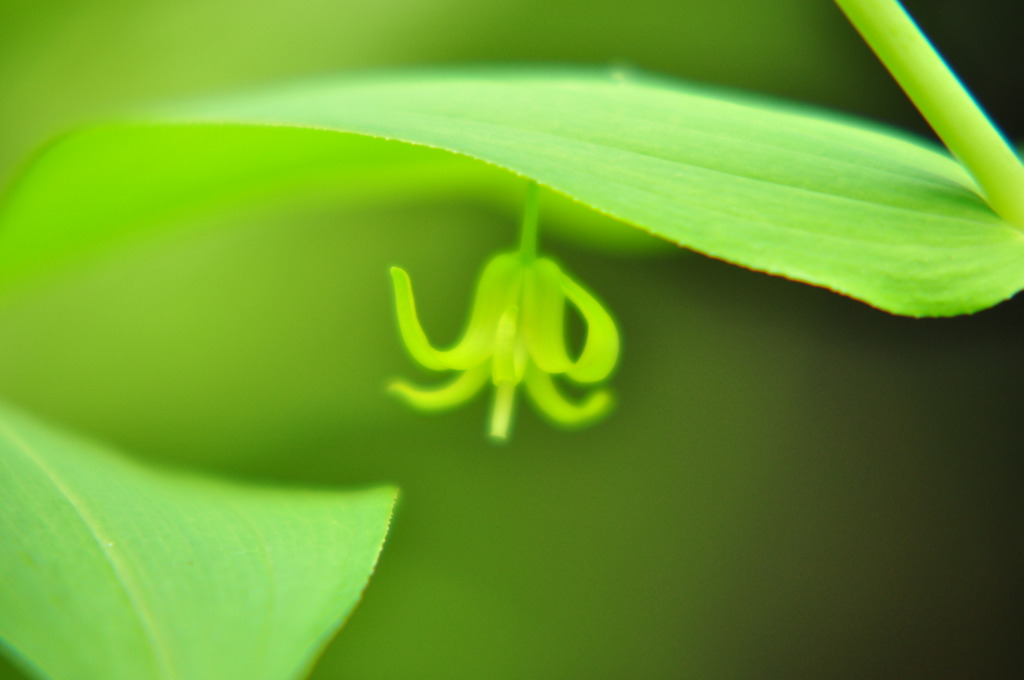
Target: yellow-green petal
{"points": [[409, 324], [544, 317], [470, 351], [497, 287], [559, 409], [460, 390], [601, 349]]}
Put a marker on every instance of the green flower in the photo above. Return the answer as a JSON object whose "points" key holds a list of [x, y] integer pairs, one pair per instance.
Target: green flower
{"points": [[516, 334]]}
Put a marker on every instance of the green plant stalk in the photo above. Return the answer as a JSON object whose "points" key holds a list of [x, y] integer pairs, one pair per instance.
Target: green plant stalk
{"points": [[944, 102], [528, 230]]}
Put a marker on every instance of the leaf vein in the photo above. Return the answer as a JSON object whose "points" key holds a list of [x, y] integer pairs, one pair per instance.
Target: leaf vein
{"points": [[105, 544]]}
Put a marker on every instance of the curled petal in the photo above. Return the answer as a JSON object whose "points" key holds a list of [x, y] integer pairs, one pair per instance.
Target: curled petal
{"points": [[601, 349], [475, 344], [553, 404], [438, 399], [544, 317]]}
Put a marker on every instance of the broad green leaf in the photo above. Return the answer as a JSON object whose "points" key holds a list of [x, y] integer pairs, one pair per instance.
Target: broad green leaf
{"points": [[111, 570], [867, 212]]}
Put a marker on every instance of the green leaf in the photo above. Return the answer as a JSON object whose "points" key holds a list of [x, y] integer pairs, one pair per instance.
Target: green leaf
{"points": [[867, 212], [112, 570]]}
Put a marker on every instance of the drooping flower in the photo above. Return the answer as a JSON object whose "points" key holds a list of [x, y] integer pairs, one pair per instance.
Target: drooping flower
{"points": [[516, 334]]}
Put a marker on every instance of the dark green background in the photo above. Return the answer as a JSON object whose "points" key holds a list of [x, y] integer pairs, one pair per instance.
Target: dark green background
{"points": [[794, 485]]}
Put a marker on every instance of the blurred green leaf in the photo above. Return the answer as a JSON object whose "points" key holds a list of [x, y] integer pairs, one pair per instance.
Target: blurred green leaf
{"points": [[866, 212], [112, 570]]}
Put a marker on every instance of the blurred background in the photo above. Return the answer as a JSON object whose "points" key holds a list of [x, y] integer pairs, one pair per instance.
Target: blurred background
{"points": [[794, 485]]}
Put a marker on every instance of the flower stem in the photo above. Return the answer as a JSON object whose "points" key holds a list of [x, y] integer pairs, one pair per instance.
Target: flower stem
{"points": [[528, 231], [943, 101]]}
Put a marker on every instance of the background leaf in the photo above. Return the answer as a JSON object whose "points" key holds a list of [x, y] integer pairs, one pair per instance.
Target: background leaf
{"points": [[111, 570], [870, 214]]}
